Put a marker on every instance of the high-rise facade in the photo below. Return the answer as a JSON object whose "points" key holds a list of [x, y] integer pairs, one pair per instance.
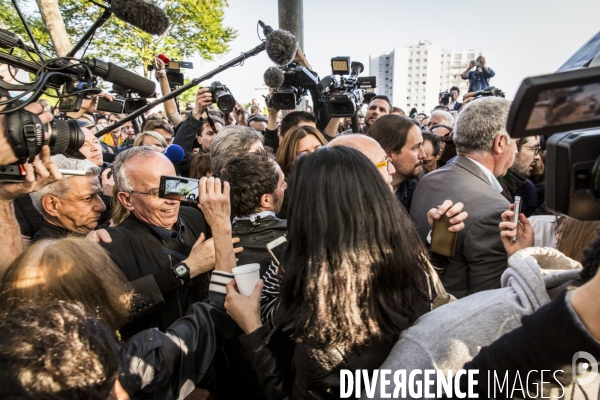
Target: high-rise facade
{"points": [[414, 76]]}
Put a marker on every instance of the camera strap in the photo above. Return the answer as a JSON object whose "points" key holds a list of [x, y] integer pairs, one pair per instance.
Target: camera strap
{"points": [[211, 123], [24, 133]]}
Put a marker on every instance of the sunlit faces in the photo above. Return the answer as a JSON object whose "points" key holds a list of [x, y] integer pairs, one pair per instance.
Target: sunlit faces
{"points": [[144, 202], [429, 162], [168, 137], [528, 154], [207, 135], [80, 208], [91, 149], [409, 160], [308, 144], [154, 143], [377, 108]]}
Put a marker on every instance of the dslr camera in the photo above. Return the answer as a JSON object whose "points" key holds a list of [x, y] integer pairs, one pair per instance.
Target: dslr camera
{"points": [[345, 94], [445, 97], [489, 91], [564, 107], [222, 96]]}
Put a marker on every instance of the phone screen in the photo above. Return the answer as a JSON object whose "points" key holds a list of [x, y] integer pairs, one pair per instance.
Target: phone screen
{"points": [[178, 188], [442, 240]]}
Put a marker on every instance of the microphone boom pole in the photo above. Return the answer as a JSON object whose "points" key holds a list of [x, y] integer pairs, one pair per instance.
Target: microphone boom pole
{"points": [[191, 84]]}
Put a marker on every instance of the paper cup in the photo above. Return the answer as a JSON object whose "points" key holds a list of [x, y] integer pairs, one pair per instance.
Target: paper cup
{"points": [[246, 277]]}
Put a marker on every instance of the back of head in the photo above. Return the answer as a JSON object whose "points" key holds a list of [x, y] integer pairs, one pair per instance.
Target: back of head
{"points": [[479, 122], [61, 187], [287, 152], [446, 118], [70, 269], [294, 119], [231, 141], [250, 175], [391, 131], [139, 139], [201, 166], [158, 123], [354, 265], [365, 144], [55, 351]]}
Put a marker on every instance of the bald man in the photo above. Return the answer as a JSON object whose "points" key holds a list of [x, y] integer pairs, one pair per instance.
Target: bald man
{"points": [[370, 148]]}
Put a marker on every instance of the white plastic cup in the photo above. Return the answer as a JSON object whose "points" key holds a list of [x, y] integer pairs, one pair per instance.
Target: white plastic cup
{"points": [[246, 277]]}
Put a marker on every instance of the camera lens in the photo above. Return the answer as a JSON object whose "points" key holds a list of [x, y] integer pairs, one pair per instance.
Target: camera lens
{"points": [[65, 137], [225, 102], [285, 99]]}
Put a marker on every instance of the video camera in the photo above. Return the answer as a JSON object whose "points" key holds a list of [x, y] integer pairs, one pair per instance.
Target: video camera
{"points": [[173, 70], [445, 97], [297, 82], [565, 105], [489, 91], [73, 80], [345, 95]]}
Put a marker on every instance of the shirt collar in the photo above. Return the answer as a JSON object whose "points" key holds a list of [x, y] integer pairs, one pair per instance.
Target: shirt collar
{"points": [[253, 217], [166, 234], [493, 181]]}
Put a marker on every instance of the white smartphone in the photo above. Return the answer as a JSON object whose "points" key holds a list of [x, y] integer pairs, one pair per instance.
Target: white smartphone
{"points": [[281, 240], [517, 210]]}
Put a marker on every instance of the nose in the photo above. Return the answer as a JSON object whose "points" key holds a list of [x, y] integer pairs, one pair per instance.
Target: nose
{"points": [[421, 152], [391, 170], [99, 205]]}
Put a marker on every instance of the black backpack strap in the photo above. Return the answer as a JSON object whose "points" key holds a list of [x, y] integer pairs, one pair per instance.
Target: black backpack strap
{"points": [[148, 233]]}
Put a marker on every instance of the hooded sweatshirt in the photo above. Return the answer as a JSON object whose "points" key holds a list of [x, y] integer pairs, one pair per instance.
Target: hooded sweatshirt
{"points": [[448, 337]]}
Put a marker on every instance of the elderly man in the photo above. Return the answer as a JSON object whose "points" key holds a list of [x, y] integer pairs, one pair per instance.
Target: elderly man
{"points": [[486, 151], [230, 142], [402, 141], [161, 243], [71, 205], [440, 117]]}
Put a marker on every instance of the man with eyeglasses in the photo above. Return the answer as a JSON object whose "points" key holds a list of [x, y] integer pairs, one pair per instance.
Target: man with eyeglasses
{"points": [[161, 246], [485, 152], [516, 182]]}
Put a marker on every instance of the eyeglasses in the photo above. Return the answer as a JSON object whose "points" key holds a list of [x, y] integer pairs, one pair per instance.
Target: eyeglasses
{"points": [[536, 149], [152, 193], [385, 163]]}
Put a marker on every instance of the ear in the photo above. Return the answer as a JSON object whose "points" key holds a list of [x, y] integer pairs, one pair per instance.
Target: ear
{"points": [[266, 201], [499, 145], [199, 139], [439, 155], [50, 205], [125, 199]]}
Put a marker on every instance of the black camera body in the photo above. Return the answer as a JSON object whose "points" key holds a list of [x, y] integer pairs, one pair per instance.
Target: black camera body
{"points": [[297, 82], [489, 91], [222, 96], [445, 97], [565, 105], [173, 72], [345, 94]]}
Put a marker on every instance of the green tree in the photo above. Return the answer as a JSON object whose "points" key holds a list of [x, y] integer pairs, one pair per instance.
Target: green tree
{"points": [[196, 30]]}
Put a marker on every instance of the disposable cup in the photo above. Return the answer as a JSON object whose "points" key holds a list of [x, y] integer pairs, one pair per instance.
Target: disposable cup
{"points": [[246, 277]]}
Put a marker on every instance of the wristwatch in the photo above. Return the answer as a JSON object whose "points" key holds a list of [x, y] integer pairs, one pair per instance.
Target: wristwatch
{"points": [[182, 271]]}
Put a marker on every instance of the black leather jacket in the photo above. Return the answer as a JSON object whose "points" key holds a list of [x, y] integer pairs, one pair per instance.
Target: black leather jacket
{"points": [[288, 370]]}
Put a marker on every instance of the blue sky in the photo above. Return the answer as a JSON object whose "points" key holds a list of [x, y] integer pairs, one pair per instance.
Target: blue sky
{"points": [[527, 37]]}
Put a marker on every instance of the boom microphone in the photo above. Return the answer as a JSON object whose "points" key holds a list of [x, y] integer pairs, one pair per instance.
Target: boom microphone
{"points": [[120, 90], [281, 47], [141, 14], [274, 77], [175, 153], [267, 29], [324, 83], [115, 74]]}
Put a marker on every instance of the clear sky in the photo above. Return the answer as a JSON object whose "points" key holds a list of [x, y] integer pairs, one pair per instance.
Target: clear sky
{"points": [[527, 37]]}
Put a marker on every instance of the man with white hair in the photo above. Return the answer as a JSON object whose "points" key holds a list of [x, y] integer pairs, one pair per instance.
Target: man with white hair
{"points": [[440, 117], [71, 205], [485, 152]]}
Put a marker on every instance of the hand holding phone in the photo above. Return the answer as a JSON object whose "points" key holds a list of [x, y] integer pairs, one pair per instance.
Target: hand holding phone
{"points": [[276, 246], [517, 210], [442, 240], [179, 188]]}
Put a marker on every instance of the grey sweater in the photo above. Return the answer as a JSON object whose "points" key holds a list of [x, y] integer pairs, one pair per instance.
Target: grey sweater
{"points": [[453, 334]]}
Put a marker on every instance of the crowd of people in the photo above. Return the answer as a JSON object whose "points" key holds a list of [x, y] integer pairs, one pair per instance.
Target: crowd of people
{"points": [[109, 290]]}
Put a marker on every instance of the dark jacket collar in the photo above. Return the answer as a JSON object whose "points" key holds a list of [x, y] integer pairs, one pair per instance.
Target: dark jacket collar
{"points": [[49, 231]]}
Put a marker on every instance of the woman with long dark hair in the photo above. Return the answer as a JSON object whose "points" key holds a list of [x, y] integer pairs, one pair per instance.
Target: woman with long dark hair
{"points": [[354, 276]]}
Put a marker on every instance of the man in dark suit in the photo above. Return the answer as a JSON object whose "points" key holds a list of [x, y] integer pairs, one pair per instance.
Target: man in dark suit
{"points": [[454, 104], [486, 151]]}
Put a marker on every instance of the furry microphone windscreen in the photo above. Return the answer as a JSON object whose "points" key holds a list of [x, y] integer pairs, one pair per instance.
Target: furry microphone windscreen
{"points": [[281, 47], [144, 15], [274, 77]]}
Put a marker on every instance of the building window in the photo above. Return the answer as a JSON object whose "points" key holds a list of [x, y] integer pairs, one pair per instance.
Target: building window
{"points": [[458, 56], [470, 56], [422, 104], [425, 60], [425, 67], [424, 75], [409, 77], [457, 63], [418, 52], [424, 84], [416, 67]]}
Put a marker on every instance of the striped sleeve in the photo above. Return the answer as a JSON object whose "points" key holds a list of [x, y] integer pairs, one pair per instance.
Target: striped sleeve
{"points": [[218, 280], [270, 294]]}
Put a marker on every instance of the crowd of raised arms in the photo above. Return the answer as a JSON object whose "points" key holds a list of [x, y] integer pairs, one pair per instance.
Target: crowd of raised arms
{"points": [[110, 288]]}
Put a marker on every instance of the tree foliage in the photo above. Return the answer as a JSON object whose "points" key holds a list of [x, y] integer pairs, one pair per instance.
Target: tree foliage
{"points": [[196, 30]]}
